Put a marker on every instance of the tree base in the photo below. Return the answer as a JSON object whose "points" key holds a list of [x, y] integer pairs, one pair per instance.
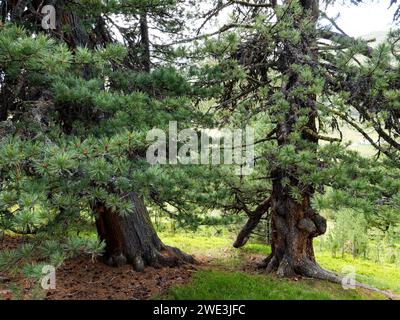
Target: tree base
{"points": [[132, 239], [288, 268], [165, 257], [307, 268]]}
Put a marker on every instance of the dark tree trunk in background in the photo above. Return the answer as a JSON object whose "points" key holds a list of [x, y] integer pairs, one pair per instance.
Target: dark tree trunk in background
{"points": [[254, 219], [145, 42], [132, 238], [4, 96], [295, 223], [29, 10]]}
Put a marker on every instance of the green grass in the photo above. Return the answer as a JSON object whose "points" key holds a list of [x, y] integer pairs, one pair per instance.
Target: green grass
{"points": [[357, 140], [215, 285], [218, 249], [219, 252], [256, 248], [384, 276], [197, 244]]}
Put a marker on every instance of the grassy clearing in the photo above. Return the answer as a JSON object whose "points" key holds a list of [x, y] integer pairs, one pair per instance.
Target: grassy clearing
{"points": [[218, 250], [230, 284], [384, 276], [214, 285], [357, 141]]}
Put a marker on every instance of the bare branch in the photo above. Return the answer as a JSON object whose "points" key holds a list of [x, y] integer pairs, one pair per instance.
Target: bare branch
{"points": [[251, 4], [251, 224], [325, 138]]}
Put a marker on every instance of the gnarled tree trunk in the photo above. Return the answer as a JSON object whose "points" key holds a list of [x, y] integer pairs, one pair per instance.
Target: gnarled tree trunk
{"points": [[132, 238], [294, 225]]}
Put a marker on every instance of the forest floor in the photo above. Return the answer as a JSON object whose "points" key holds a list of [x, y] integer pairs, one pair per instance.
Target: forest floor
{"points": [[221, 273], [83, 278]]}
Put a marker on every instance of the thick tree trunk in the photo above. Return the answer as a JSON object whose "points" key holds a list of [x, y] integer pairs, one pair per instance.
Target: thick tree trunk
{"points": [[294, 225], [132, 238], [29, 10]]}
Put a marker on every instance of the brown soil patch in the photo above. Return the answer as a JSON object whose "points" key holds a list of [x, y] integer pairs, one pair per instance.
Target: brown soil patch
{"points": [[83, 279], [9, 243]]}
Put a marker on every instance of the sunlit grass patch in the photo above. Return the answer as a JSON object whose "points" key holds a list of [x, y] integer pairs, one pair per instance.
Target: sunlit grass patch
{"points": [[196, 244], [210, 285], [381, 275], [256, 248], [219, 250]]}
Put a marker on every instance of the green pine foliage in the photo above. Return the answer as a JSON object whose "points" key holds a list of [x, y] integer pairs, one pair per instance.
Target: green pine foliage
{"points": [[81, 141]]}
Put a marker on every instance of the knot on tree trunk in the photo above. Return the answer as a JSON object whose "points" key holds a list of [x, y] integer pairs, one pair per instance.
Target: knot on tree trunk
{"points": [[314, 226], [320, 223], [307, 225], [314, 223]]}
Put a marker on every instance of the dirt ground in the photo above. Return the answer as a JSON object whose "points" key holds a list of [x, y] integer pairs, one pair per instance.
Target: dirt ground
{"points": [[84, 279]]}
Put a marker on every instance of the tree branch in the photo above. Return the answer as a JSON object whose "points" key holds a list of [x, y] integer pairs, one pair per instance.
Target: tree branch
{"points": [[251, 224], [325, 138], [251, 4]]}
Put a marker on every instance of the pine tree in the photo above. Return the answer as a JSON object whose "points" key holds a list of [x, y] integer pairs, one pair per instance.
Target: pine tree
{"points": [[78, 130], [273, 64]]}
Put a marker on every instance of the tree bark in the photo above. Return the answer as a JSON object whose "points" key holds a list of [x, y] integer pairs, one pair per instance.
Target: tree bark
{"points": [[294, 225], [145, 42], [132, 238], [252, 222]]}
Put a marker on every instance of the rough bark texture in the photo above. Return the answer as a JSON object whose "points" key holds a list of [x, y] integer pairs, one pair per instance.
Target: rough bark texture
{"points": [[29, 11], [294, 225], [132, 239]]}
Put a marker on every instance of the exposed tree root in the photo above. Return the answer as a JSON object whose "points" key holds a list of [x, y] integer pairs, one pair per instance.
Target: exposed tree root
{"points": [[309, 269], [165, 256]]}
